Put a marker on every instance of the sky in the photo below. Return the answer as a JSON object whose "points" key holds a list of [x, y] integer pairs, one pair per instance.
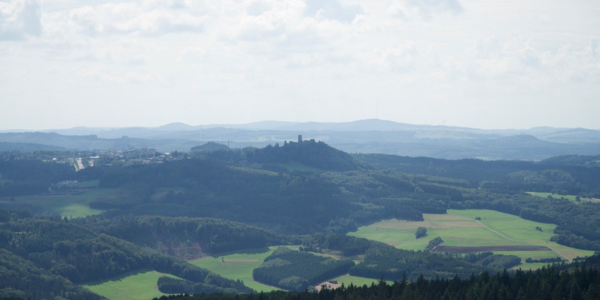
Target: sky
{"points": [[472, 63]]}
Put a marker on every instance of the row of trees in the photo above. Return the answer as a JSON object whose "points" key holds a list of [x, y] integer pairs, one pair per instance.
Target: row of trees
{"points": [[394, 264]]}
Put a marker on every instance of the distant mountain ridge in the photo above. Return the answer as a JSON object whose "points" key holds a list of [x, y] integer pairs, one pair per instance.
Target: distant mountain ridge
{"points": [[362, 136], [359, 125]]}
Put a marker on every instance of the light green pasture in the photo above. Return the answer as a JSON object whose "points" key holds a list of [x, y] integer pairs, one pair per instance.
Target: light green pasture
{"points": [[356, 281], [472, 237], [142, 285], [570, 252], [138, 286], [523, 231], [404, 239], [239, 265], [459, 228], [512, 227]]}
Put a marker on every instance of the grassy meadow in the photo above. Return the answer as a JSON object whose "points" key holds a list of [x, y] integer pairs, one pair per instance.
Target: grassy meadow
{"points": [[236, 265], [459, 228], [357, 281], [142, 285], [239, 265], [137, 286]]}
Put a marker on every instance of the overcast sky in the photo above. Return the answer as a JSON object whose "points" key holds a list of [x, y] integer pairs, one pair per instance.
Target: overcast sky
{"points": [[473, 63]]}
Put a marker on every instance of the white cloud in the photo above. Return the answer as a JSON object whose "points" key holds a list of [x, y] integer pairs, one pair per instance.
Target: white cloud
{"points": [[262, 20], [594, 47], [490, 57], [332, 9], [19, 19], [425, 9], [329, 51], [257, 7], [516, 59], [403, 59], [132, 18], [101, 73], [263, 27]]}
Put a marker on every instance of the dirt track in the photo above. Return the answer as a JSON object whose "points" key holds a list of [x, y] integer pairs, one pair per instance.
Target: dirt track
{"points": [[458, 249]]}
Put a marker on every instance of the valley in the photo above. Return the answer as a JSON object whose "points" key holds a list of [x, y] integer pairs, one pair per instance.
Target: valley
{"points": [[458, 229], [288, 217]]}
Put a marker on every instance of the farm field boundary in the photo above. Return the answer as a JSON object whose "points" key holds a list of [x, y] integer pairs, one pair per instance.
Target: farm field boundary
{"points": [[456, 249]]}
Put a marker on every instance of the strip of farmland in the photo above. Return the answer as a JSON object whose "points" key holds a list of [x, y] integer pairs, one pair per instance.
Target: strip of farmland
{"points": [[459, 249]]}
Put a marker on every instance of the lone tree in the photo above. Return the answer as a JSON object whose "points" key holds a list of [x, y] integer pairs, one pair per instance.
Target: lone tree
{"points": [[421, 232]]}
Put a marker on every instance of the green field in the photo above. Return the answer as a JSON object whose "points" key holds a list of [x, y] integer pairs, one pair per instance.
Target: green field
{"points": [[239, 265], [459, 228], [357, 281], [137, 286], [572, 198], [71, 206]]}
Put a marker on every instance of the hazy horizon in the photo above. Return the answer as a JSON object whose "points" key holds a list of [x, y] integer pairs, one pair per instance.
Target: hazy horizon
{"points": [[206, 126], [477, 64]]}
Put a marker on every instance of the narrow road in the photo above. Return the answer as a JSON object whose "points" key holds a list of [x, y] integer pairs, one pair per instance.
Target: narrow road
{"points": [[79, 165]]}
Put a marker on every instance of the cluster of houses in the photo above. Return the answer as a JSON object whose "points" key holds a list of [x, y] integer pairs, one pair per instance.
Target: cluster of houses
{"points": [[142, 153]]}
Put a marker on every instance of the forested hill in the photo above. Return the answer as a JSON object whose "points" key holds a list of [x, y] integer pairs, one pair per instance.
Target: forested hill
{"points": [[565, 174], [43, 259], [310, 153], [315, 154], [186, 238], [231, 185]]}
